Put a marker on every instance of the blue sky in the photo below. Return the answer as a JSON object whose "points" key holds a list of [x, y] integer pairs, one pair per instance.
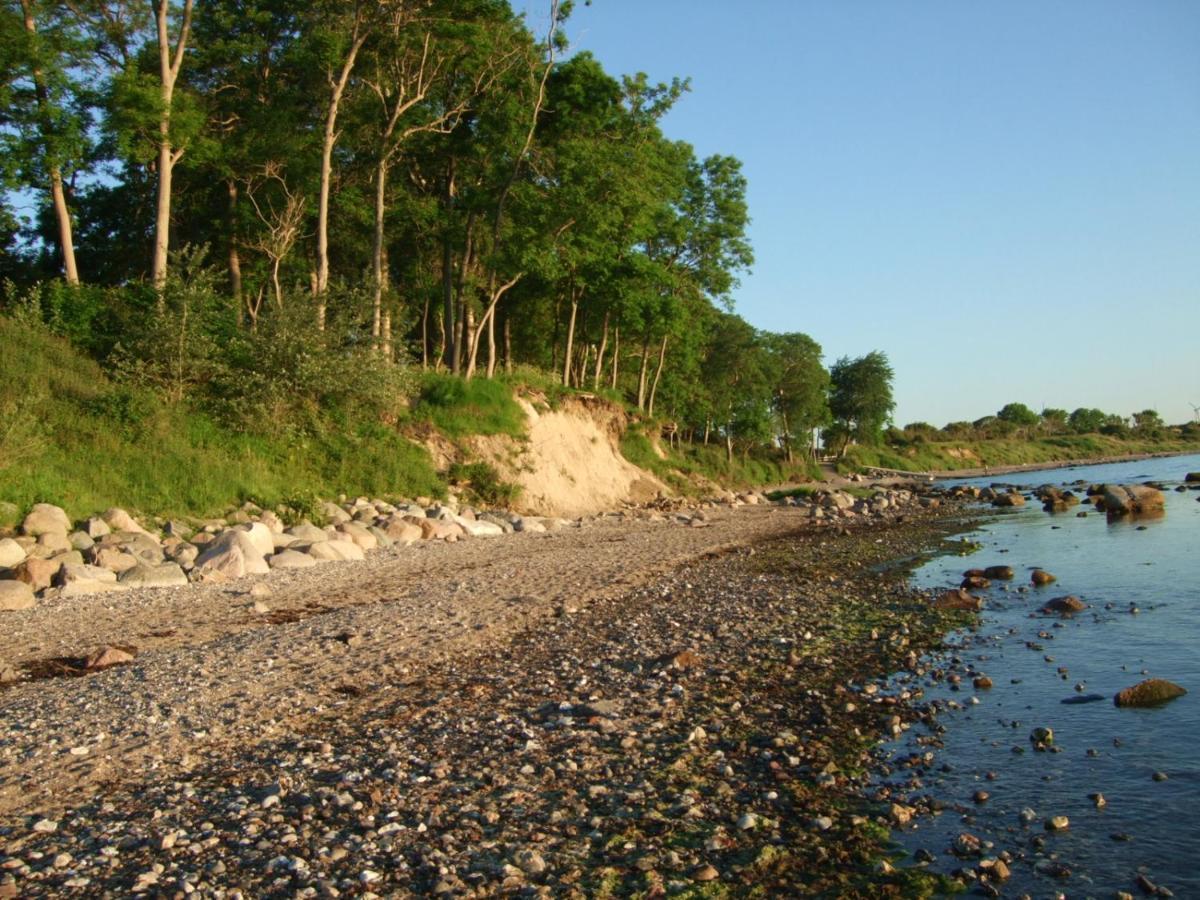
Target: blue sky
{"points": [[1002, 196]]}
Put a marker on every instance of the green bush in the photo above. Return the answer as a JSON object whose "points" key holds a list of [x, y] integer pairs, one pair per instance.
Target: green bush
{"points": [[482, 483]]}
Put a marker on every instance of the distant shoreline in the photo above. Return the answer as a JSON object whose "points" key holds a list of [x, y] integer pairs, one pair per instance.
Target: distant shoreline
{"points": [[1061, 464]]}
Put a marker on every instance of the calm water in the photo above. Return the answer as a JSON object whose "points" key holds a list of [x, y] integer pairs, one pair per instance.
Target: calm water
{"points": [[1106, 648]]}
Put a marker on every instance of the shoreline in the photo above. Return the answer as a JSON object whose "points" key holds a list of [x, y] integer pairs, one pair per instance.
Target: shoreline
{"points": [[762, 661], [983, 472]]}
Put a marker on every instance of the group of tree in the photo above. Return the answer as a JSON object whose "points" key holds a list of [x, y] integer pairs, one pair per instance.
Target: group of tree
{"points": [[423, 181], [1016, 420]]}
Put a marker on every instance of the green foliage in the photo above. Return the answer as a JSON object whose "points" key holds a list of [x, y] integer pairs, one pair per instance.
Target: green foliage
{"points": [[76, 438], [482, 483], [1018, 414], [459, 407], [861, 397]]}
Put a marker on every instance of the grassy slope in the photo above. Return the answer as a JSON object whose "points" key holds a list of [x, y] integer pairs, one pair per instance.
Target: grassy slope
{"points": [[70, 436], [710, 463], [936, 456]]}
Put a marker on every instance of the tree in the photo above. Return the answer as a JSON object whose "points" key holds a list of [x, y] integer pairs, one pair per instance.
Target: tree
{"points": [[47, 107], [1086, 421], [1148, 423], [800, 392], [170, 146], [1019, 416], [861, 397], [1054, 421]]}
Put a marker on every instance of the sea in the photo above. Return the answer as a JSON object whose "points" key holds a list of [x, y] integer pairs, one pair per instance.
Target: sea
{"points": [[1141, 581]]}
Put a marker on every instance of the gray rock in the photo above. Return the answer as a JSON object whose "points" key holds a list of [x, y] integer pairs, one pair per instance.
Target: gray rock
{"points": [[81, 540], [291, 559], [162, 575], [96, 527]]}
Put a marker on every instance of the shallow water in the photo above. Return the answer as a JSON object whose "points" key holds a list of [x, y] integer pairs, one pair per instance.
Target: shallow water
{"points": [[1150, 564]]}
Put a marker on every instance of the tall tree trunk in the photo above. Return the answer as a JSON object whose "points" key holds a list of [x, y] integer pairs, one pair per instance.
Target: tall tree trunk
{"points": [[235, 260], [450, 346], [662, 358], [425, 331], [329, 138], [600, 355], [387, 337], [729, 443], [378, 268], [641, 395], [491, 338], [169, 63], [507, 342], [566, 376], [58, 196], [707, 429], [616, 355]]}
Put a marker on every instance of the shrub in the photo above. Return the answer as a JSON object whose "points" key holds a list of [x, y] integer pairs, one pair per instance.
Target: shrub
{"points": [[482, 483]]}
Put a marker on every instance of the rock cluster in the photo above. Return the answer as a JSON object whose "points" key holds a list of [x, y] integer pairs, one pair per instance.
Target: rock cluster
{"points": [[114, 552]]}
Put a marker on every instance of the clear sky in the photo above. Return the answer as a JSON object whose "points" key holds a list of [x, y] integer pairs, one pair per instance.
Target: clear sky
{"points": [[1002, 196]]}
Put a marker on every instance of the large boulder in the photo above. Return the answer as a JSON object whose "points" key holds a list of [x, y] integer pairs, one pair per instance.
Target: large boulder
{"points": [[46, 518], [96, 527], [334, 513], [119, 520], [146, 548], [11, 553], [111, 557], [291, 559], [37, 573], [436, 529], [307, 531], [74, 581], [336, 551], [15, 595], [402, 531], [357, 533], [1132, 499], [478, 527], [55, 542], [231, 554], [260, 535], [1150, 692], [163, 575]]}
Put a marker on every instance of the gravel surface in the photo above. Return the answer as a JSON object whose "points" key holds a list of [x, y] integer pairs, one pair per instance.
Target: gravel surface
{"points": [[623, 707]]}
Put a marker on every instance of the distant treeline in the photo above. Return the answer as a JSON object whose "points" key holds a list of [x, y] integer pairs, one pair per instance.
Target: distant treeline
{"points": [[1016, 420]]}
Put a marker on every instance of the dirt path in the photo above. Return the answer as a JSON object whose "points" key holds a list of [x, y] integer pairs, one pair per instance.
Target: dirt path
{"points": [[209, 668]]}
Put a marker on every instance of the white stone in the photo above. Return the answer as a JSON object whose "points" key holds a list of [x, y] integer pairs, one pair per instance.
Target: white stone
{"points": [[11, 553]]}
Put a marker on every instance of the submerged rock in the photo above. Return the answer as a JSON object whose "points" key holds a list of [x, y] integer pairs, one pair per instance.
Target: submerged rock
{"points": [[1132, 499], [1064, 606], [1040, 577], [1150, 692]]}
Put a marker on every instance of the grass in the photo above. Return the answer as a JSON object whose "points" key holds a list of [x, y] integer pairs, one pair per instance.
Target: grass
{"points": [[69, 435], [459, 408], [683, 465], [936, 455]]}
